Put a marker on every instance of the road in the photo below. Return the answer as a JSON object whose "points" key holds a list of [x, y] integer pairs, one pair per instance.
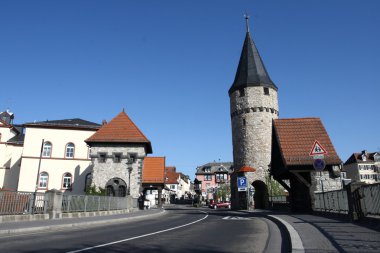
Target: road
{"points": [[177, 230]]}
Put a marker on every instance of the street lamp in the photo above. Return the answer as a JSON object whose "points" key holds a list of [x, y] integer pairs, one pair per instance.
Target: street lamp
{"points": [[130, 168]]}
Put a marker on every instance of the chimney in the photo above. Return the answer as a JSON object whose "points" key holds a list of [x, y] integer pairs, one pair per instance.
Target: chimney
{"points": [[104, 122]]}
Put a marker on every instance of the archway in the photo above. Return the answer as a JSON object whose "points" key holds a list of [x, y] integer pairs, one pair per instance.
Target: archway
{"points": [[116, 187], [261, 196]]}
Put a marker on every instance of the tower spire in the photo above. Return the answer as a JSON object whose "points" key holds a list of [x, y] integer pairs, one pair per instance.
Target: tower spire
{"points": [[251, 70], [246, 16]]}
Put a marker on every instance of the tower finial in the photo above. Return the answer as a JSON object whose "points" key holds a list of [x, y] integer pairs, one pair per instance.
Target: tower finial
{"points": [[247, 21]]}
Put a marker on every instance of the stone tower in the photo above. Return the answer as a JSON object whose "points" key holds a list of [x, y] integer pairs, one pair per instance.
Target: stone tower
{"points": [[253, 106]]}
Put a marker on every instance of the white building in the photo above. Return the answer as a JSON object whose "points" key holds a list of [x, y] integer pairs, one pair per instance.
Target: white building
{"points": [[63, 164], [363, 167]]}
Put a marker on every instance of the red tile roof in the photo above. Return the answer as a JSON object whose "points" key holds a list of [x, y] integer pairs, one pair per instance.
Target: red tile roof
{"points": [[120, 129], [153, 170], [246, 169], [296, 137], [171, 176]]}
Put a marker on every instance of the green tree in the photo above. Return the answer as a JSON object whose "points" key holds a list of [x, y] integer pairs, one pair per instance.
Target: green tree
{"points": [[92, 190], [274, 187]]}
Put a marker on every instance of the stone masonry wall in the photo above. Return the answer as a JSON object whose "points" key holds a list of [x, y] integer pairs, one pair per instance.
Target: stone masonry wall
{"points": [[103, 172], [251, 119]]}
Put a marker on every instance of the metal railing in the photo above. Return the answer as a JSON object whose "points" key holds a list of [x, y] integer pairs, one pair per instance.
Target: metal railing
{"points": [[83, 203], [13, 202], [332, 201], [372, 198]]}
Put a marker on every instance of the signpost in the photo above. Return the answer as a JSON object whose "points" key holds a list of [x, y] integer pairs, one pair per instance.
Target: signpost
{"points": [[318, 153], [242, 184]]}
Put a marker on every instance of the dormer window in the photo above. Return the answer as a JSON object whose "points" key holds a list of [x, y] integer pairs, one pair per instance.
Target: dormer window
{"points": [[207, 169], [364, 158], [376, 157]]}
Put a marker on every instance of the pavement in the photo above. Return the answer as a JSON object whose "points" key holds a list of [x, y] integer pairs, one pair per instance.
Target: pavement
{"points": [[308, 233]]}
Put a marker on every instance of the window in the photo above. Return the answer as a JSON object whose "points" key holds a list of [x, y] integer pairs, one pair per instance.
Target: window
{"points": [[266, 91], [66, 181], [207, 169], [102, 157], [132, 158], [207, 177], [88, 181], [43, 180], [117, 157], [69, 150], [172, 186], [46, 150], [242, 92], [244, 122]]}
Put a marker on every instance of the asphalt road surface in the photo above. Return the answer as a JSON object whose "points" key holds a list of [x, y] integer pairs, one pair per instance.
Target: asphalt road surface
{"points": [[177, 230]]}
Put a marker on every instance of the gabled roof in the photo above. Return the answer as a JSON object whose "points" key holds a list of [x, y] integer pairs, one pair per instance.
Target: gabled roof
{"points": [[120, 129], [358, 158], [251, 70], [153, 170], [215, 167], [296, 137], [171, 176], [75, 123]]}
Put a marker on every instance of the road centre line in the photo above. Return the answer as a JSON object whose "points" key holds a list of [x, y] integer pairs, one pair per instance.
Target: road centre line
{"points": [[140, 236]]}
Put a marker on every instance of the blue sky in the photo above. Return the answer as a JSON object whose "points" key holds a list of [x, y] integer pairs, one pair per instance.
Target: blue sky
{"points": [[170, 65]]}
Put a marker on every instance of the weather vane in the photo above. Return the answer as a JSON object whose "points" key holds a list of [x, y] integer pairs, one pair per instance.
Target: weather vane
{"points": [[247, 21]]}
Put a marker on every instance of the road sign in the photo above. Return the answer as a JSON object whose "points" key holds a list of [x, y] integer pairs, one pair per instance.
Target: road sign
{"points": [[242, 183], [317, 149], [319, 164]]}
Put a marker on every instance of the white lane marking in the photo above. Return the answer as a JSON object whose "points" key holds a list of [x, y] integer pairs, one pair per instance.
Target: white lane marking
{"points": [[140, 236], [297, 245], [235, 218]]}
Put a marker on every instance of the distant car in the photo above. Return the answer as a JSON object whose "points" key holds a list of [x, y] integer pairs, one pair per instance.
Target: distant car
{"points": [[224, 204]]}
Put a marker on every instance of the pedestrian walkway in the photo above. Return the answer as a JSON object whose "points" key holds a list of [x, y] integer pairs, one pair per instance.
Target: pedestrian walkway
{"points": [[20, 227], [333, 234]]}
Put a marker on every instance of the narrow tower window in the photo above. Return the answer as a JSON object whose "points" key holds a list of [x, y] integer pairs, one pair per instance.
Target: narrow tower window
{"points": [[266, 91], [244, 122], [242, 92]]}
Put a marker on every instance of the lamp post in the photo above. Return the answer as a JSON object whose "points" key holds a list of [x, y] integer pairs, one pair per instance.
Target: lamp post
{"points": [[130, 168]]}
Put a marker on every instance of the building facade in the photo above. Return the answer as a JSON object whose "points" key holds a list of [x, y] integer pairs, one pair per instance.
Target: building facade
{"points": [[118, 150], [363, 167], [64, 163], [11, 147], [214, 176]]}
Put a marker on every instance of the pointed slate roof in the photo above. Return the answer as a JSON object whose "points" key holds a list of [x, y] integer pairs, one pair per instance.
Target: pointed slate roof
{"points": [[251, 70], [120, 129]]}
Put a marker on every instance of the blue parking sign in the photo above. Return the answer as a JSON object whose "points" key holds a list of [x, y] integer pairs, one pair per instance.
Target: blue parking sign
{"points": [[242, 183]]}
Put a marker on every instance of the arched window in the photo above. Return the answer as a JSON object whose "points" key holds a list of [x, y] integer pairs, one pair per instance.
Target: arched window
{"points": [[67, 179], [46, 151], [88, 181], [43, 180], [122, 191], [69, 150]]}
